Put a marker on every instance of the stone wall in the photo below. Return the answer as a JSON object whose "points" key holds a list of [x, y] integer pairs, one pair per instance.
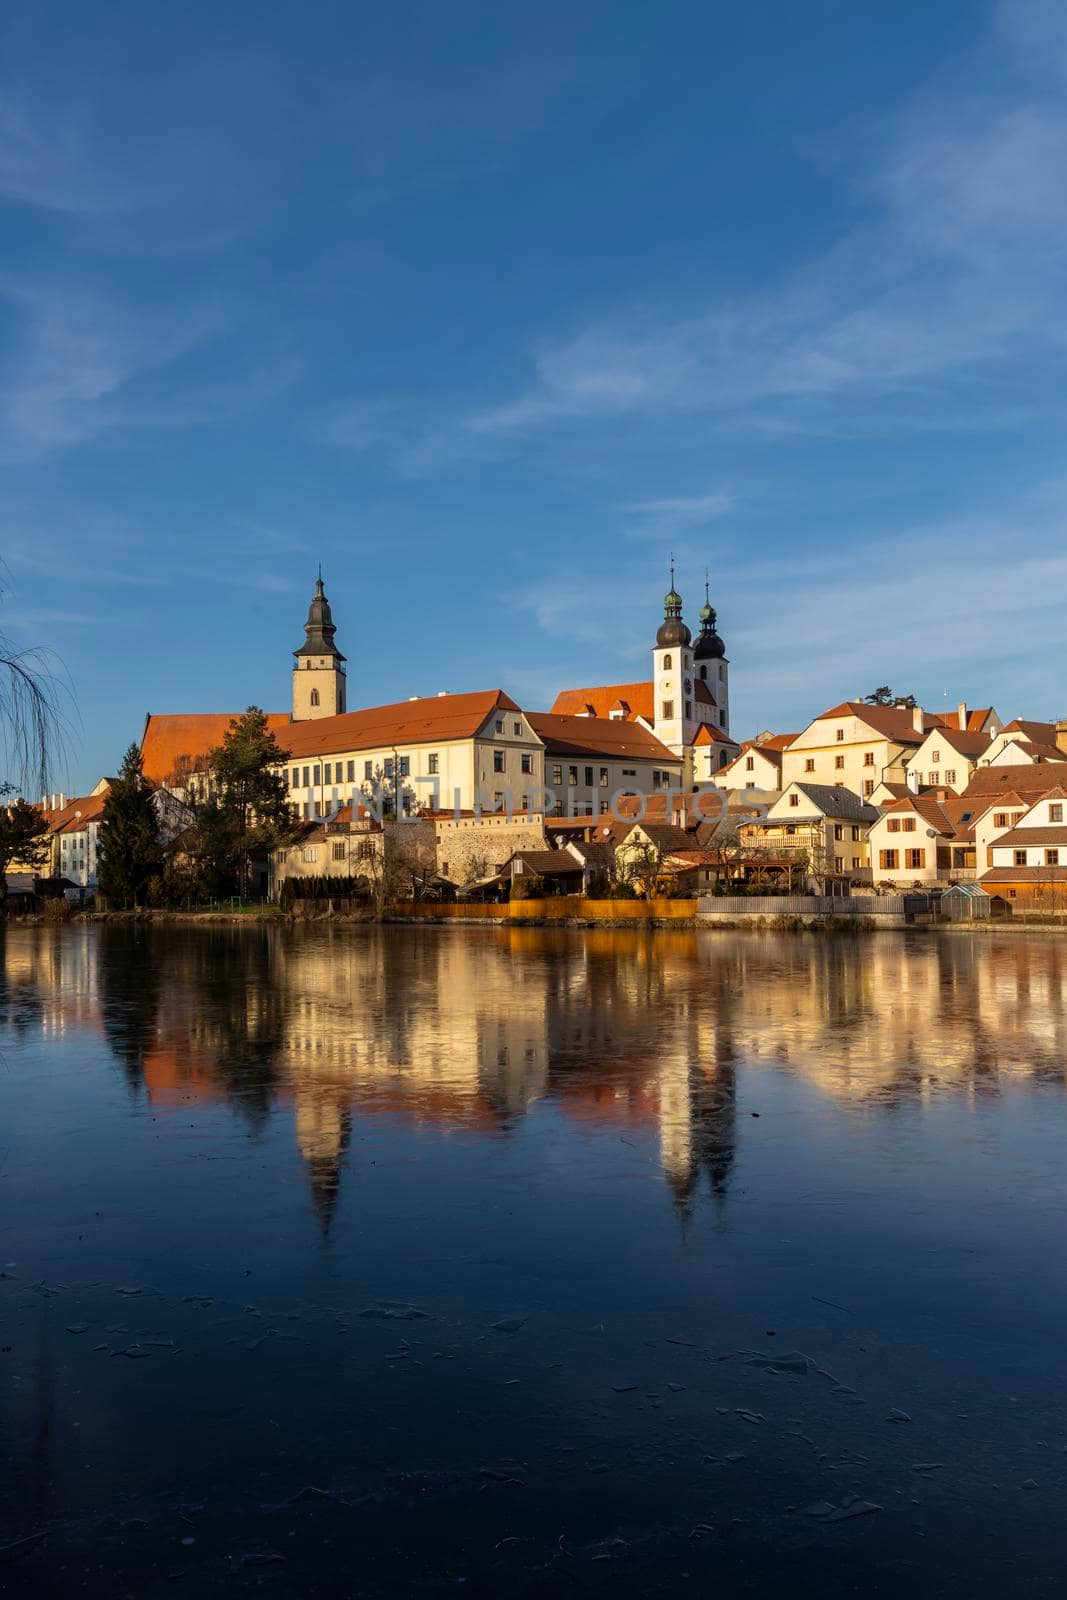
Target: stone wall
{"points": [[472, 847]]}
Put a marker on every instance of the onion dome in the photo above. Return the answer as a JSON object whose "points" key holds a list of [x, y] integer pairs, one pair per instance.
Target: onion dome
{"points": [[709, 647], [672, 630]]}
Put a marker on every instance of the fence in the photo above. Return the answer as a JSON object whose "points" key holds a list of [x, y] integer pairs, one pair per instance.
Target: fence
{"points": [[559, 908]]}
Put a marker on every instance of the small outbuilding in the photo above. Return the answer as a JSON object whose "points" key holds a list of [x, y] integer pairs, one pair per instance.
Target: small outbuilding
{"points": [[965, 900]]}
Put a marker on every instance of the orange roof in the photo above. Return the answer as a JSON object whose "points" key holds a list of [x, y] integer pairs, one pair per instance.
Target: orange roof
{"points": [[708, 733], [601, 701], [170, 737], [952, 816], [892, 722], [1033, 781], [569, 735], [633, 699], [76, 814], [438, 717], [1036, 732]]}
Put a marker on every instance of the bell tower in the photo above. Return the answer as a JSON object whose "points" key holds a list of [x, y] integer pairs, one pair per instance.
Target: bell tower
{"points": [[712, 666], [673, 705], [319, 670]]}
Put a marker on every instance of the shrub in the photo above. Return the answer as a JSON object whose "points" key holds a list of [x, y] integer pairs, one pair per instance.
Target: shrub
{"points": [[527, 887]]}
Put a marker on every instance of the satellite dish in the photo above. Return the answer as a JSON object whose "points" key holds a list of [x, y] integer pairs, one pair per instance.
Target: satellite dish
{"points": [[931, 833]]}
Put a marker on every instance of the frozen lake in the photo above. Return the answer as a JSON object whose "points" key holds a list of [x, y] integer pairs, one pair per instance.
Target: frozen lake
{"points": [[423, 1261]]}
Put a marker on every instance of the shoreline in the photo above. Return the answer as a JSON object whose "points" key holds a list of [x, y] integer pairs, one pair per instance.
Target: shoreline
{"points": [[496, 917]]}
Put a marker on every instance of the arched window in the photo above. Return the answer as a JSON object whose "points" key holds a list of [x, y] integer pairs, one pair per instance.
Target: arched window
{"points": [[314, 697], [667, 663], [704, 673]]}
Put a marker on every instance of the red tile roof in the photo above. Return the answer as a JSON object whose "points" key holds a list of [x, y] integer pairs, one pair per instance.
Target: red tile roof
{"points": [[76, 814], [636, 699], [576, 736], [708, 733], [1030, 780], [171, 736], [892, 722], [437, 718], [952, 817]]}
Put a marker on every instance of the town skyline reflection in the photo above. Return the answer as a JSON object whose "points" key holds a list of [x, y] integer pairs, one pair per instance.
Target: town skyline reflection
{"points": [[470, 1032]]}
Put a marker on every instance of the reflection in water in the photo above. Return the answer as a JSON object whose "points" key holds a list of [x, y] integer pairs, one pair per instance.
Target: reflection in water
{"points": [[468, 1029]]}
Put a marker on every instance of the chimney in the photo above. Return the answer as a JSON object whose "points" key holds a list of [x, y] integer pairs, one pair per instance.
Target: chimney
{"points": [[963, 716], [917, 719], [1061, 735]]}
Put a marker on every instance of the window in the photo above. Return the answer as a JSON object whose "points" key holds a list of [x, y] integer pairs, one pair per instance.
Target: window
{"points": [[307, 777], [316, 776], [840, 736], [365, 850], [933, 777], [499, 724], [311, 854], [314, 697], [1020, 857], [589, 777], [368, 769], [405, 766], [839, 762], [629, 772], [572, 774], [668, 663], [1055, 813], [557, 774], [809, 765], [351, 772], [307, 810], [603, 777], [887, 860], [668, 710], [794, 799], [388, 767], [326, 773], [950, 774], [498, 760], [839, 832], [1000, 819], [319, 808], [915, 858], [839, 863], [1052, 858], [688, 709], [868, 758], [516, 728], [527, 762], [433, 764], [498, 799], [935, 755], [722, 719], [893, 825], [603, 807], [444, 869], [339, 850], [855, 835], [750, 763], [1011, 894]]}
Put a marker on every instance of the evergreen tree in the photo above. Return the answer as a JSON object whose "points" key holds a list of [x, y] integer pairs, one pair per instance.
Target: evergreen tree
{"points": [[131, 852], [250, 813], [23, 837]]}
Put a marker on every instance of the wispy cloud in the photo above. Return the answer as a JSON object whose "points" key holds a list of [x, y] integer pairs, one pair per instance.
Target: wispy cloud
{"points": [[955, 275]]}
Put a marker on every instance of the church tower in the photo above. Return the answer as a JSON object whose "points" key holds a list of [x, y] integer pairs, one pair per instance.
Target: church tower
{"points": [[319, 671], [673, 706], [712, 667]]}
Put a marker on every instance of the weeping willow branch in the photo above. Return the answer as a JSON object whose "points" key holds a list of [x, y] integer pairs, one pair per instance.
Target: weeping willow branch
{"points": [[32, 725]]}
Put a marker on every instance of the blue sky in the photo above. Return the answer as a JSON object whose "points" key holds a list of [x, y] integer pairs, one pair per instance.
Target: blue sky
{"points": [[490, 308]]}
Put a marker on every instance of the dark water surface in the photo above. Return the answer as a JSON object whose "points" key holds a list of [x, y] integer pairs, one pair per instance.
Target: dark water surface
{"points": [[425, 1261]]}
